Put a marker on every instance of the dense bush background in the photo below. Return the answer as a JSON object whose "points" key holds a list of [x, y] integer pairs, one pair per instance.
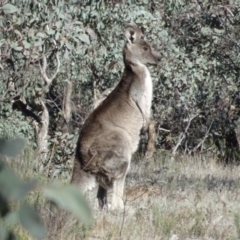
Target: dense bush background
{"points": [[196, 97]]}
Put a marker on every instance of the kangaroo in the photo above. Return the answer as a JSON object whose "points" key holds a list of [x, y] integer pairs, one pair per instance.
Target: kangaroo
{"points": [[111, 133]]}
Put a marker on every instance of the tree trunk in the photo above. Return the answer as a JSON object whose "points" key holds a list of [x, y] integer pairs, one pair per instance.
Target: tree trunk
{"points": [[42, 141]]}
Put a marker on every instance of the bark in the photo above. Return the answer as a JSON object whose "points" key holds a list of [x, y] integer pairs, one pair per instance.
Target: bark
{"points": [[67, 106], [42, 134]]}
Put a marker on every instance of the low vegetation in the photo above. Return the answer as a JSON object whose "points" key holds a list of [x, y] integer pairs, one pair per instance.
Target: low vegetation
{"points": [[20, 196], [190, 198]]}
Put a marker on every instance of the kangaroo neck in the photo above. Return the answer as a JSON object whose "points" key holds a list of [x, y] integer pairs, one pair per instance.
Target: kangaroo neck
{"points": [[133, 71]]}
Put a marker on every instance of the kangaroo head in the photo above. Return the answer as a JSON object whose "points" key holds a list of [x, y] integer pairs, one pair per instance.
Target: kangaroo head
{"points": [[137, 49]]}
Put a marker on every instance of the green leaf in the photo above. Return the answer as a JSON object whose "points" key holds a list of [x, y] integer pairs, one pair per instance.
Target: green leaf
{"points": [[58, 24], [11, 219], [69, 45], [11, 147], [57, 35], [31, 222], [206, 31], [91, 33], [9, 8], [18, 32], [37, 44], [58, 133], [41, 35], [70, 136], [78, 23], [2, 41], [12, 187], [5, 234], [61, 43], [4, 207], [69, 198], [51, 32], [38, 88], [26, 44], [84, 38], [18, 48]]}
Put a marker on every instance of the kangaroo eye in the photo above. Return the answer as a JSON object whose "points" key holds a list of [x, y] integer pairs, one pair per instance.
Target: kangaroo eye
{"points": [[145, 48]]}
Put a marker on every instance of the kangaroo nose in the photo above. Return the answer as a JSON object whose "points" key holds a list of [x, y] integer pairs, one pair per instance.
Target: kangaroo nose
{"points": [[157, 57]]}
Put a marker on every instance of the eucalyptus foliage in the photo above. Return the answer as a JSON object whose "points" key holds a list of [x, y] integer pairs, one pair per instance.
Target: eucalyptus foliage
{"points": [[200, 74], [196, 97]]}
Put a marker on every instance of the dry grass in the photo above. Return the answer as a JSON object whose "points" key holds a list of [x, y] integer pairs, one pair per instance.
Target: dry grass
{"points": [[192, 198]]}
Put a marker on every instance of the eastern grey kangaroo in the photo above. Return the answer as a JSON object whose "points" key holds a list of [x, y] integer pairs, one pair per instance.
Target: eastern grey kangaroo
{"points": [[110, 135]]}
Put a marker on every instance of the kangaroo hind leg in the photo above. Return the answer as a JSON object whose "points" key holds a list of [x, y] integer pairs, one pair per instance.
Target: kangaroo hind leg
{"points": [[117, 195], [102, 197]]}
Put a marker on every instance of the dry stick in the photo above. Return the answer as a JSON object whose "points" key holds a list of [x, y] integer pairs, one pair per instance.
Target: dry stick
{"points": [[204, 138], [67, 105], [123, 220], [181, 137], [226, 8], [54, 103], [163, 129]]}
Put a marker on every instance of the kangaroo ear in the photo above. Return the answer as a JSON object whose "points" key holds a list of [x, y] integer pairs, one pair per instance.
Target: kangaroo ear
{"points": [[133, 33], [143, 32], [130, 34]]}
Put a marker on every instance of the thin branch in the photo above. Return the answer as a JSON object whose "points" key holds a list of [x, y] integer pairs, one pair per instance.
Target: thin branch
{"points": [[181, 137], [43, 69], [164, 130], [123, 220], [227, 10]]}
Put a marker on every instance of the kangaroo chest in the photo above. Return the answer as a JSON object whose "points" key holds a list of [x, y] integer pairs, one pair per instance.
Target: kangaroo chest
{"points": [[147, 96], [141, 91]]}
